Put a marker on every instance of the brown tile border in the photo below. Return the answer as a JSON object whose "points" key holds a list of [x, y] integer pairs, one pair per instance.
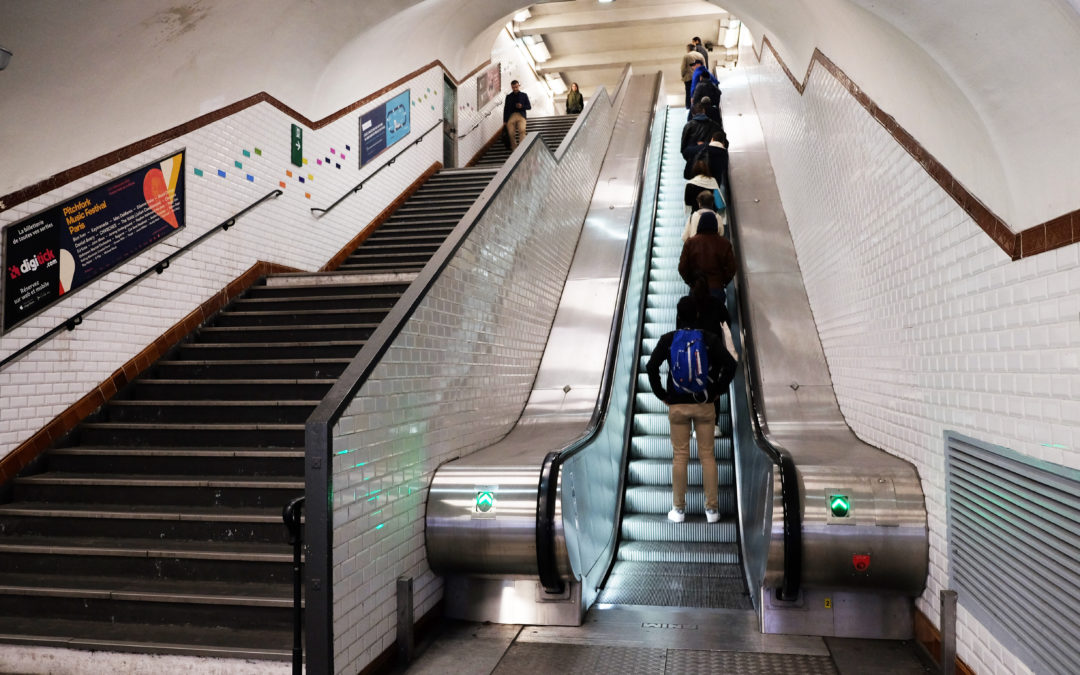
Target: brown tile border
{"points": [[1061, 231], [22, 455], [383, 216], [86, 168], [927, 635]]}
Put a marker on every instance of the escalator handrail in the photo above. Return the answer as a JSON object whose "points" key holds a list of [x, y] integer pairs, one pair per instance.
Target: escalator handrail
{"points": [[780, 456], [547, 565]]}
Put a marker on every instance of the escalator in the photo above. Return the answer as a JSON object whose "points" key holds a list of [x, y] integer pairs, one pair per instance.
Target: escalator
{"points": [[660, 563]]}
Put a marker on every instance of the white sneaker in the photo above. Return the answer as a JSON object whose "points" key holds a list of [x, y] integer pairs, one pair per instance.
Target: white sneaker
{"points": [[711, 515], [676, 515]]}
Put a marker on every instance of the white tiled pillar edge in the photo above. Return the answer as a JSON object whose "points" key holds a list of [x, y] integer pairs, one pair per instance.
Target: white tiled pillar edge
{"points": [[44, 383], [926, 324], [454, 380]]}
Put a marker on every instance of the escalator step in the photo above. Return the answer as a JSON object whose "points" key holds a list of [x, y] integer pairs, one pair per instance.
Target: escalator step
{"points": [[684, 552], [659, 447], [658, 472], [656, 499]]}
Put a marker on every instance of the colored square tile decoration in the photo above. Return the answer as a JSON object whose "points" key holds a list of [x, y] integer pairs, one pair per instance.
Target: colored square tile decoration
{"points": [[251, 179], [247, 153], [221, 173], [198, 172], [238, 165]]}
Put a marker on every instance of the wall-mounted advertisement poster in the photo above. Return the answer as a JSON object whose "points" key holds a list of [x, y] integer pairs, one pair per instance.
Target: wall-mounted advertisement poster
{"points": [[383, 126], [59, 250], [488, 85]]}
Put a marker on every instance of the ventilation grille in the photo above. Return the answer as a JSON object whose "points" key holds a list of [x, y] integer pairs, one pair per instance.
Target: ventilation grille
{"points": [[1014, 550]]}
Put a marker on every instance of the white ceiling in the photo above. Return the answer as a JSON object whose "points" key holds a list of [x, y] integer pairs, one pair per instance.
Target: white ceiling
{"points": [[590, 42]]}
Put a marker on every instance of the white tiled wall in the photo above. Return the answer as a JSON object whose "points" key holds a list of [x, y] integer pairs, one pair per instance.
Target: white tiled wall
{"points": [[926, 325], [454, 381], [42, 384], [513, 67]]}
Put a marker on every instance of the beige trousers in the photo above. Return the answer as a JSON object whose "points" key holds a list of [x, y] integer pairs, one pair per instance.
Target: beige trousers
{"points": [[702, 416], [515, 126]]}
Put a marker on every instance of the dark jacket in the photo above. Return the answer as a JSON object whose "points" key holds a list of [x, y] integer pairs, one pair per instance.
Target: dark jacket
{"points": [[510, 106], [698, 130], [710, 254], [703, 89], [715, 156], [575, 102], [721, 369]]}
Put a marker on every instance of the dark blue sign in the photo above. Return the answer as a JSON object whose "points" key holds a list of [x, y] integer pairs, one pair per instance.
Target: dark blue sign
{"points": [[65, 247], [383, 126]]}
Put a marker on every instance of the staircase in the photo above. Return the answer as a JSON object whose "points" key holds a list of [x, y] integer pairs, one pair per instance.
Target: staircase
{"points": [[552, 130], [157, 526], [660, 563]]}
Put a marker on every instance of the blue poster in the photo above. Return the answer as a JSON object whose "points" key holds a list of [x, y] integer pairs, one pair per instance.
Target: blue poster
{"points": [[383, 126]]}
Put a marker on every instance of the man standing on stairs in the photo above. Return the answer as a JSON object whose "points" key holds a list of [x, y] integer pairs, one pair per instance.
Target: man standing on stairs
{"points": [[692, 409], [514, 111]]}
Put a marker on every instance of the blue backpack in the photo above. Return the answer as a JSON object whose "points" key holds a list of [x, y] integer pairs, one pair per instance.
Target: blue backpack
{"points": [[689, 363]]}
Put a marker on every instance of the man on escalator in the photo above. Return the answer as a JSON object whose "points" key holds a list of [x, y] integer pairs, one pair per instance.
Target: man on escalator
{"points": [[699, 371]]}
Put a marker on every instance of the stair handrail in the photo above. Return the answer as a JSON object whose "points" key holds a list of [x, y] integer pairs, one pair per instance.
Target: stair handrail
{"points": [[319, 212], [486, 115], [291, 514], [71, 323], [781, 457]]}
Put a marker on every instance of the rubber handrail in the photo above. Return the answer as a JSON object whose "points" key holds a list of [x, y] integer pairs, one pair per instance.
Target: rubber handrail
{"points": [[547, 566]]}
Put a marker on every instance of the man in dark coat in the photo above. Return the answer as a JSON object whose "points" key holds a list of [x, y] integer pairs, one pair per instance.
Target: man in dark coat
{"points": [[714, 154], [697, 132], [515, 109]]}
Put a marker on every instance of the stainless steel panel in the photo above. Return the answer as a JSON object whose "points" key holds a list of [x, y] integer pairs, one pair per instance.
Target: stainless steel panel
{"points": [[868, 564], [467, 544]]}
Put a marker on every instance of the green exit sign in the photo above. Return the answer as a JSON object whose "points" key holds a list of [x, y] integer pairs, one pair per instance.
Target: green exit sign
{"points": [[296, 146], [485, 501]]}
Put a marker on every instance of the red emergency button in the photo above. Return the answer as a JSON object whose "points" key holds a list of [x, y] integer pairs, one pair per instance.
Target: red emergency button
{"points": [[861, 562]]}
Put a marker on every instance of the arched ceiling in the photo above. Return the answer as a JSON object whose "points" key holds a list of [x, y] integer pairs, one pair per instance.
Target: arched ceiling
{"points": [[989, 88]]}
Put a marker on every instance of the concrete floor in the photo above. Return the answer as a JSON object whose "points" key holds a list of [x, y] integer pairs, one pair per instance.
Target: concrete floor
{"points": [[630, 640]]}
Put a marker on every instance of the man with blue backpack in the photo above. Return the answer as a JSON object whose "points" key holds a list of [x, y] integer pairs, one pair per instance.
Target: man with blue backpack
{"points": [[699, 371]]}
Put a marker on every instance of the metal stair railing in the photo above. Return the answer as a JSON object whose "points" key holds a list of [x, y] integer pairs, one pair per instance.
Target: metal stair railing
{"points": [[320, 212], [158, 267]]}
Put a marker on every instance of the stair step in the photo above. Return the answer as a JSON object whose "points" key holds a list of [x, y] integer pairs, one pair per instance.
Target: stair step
{"points": [[300, 317], [223, 491], [159, 434], [335, 332], [147, 559], [329, 349], [120, 521], [215, 641], [283, 286], [209, 461], [356, 301], [246, 369], [234, 412], [222, 389]]}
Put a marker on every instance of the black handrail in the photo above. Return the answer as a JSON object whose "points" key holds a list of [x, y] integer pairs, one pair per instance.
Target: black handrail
{"points": [[159, 267], [291, 515], [547, 490], [789, 482], [486, 115], [319, 213]]}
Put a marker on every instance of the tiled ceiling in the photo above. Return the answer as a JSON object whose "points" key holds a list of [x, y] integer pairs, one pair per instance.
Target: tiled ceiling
{"points": [[590, 42]]}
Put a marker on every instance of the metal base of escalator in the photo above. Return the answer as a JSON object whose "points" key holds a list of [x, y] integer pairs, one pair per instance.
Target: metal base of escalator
{"points": [[660, 563]]}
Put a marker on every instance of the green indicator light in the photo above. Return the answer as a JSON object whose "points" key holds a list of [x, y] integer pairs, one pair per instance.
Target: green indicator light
{"points": [[839, 505], [484, 501]]}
